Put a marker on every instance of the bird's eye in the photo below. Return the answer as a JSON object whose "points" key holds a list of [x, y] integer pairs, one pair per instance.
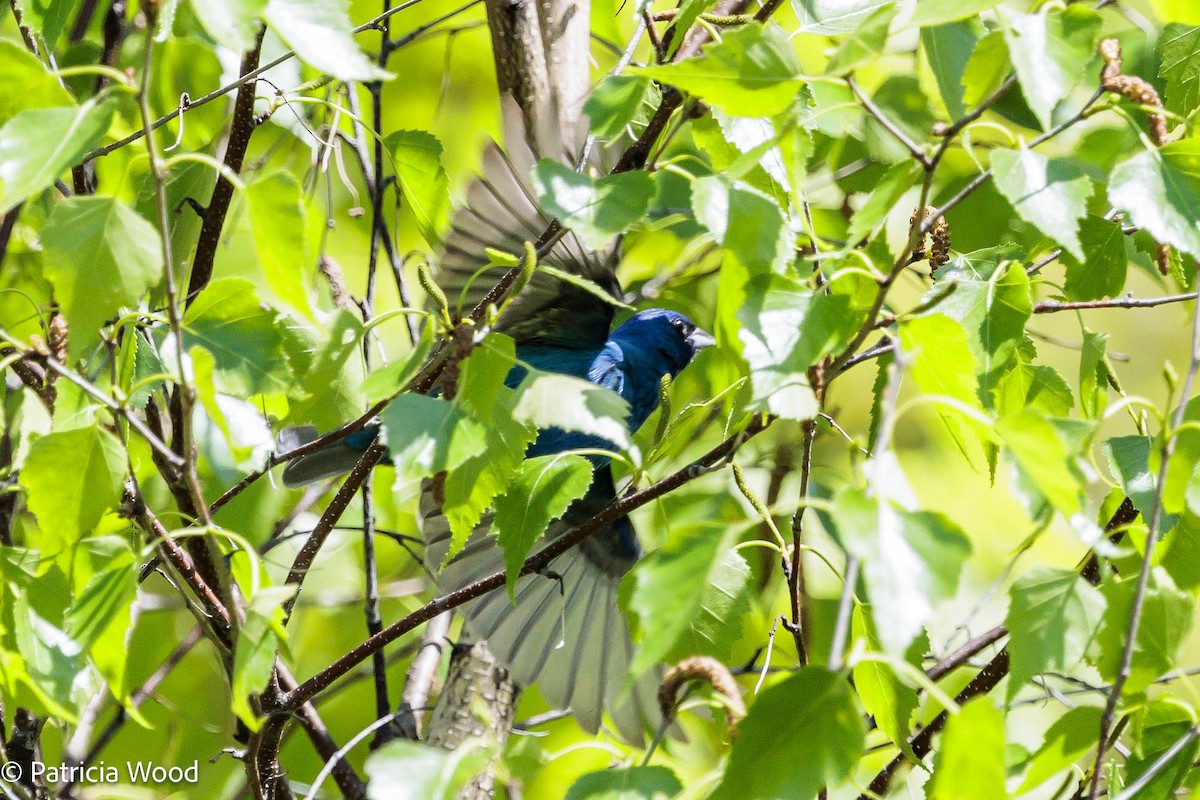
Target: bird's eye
{"points": [[679, 325]]}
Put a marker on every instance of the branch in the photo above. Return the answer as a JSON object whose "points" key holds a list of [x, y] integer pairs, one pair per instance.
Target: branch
{"points": [[333, 512], [222, 193], [875, 111], [1128, 301]]}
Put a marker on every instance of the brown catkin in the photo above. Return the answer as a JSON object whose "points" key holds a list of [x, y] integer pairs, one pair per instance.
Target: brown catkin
{"points": [[710, 671], [939, 252], [1139, 91]]}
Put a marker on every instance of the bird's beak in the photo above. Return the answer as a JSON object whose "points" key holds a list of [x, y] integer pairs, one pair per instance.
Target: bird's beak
{"points": [[699, 340]]}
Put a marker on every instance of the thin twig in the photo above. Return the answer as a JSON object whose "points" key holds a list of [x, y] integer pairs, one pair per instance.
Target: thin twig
{"points": [[1128, 301]]}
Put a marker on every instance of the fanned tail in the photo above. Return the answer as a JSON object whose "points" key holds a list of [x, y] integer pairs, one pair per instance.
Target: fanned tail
{"points": [[563, 629]]}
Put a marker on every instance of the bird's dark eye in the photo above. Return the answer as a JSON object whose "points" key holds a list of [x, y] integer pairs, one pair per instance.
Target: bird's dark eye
{"points": [[679, 325]]}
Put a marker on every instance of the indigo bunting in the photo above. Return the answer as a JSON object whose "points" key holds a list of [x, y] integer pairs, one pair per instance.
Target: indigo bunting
{"points": [[563, 629]]}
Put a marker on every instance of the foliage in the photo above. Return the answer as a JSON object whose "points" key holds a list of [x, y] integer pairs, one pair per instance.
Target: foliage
{"points": [[934, 498]]}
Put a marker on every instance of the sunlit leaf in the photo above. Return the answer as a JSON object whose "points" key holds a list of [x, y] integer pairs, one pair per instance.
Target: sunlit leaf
{"points": [[1160, 191], [1053, 615], [418, 160], [751, 72], [1050, 51], [776, 753], [320, 32], [539, 492], [1049, 194], [970, 761], [71, 478], [595, 211]]}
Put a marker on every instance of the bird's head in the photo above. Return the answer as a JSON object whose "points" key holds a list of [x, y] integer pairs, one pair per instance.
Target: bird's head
{"points": [[669, 338]]}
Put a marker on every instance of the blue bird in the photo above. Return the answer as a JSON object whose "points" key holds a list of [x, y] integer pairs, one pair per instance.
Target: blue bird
{"points": [[563, 629]]}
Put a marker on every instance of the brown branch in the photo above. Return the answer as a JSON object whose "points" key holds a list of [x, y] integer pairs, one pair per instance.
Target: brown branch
{"points": [[333, 512], [222, 193], [1128, 301]]}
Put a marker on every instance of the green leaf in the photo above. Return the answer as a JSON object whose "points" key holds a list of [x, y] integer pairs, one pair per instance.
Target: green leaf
{"points": [[105, 257], [626, 783], [1101, 272], [948, 49], [1051, 53], [986, 69], [942, 363], [1160, 191], [39, 89], [751, 72], [327, 371], [1044, 458], [427, 435], [401, 770], [786, 329], [49, 17], [227, 320], [834, 16], [595, 211], [233, 23], [970, 761], [39, 144], [1026, 385], [539, 493], [551, 400], [1053, 616], [1158, 726], [992, 303], [745, 222], [387, 381], [889, 700], [321, 34], [276, 211], [1182, 557], [1093, 374], [423, 182], [1179, 66], [717, 624], [1129, 458], [481, 392], [1165, 623], [100, 617], [779, 752], [71, 478], [615, 102], [670, 588], [867, 41], [471, 487], [260, 637], [1179, 487], [1049, 194], [899, 179], [911, 561], [1070, 737], [938, 12]]}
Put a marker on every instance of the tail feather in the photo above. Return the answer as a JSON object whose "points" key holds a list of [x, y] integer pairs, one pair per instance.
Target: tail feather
{"points": [[328, 462], [562, 629]]}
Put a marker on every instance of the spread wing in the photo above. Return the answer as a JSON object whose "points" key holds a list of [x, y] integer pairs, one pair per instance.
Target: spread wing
{"points": [[501, 212]]}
